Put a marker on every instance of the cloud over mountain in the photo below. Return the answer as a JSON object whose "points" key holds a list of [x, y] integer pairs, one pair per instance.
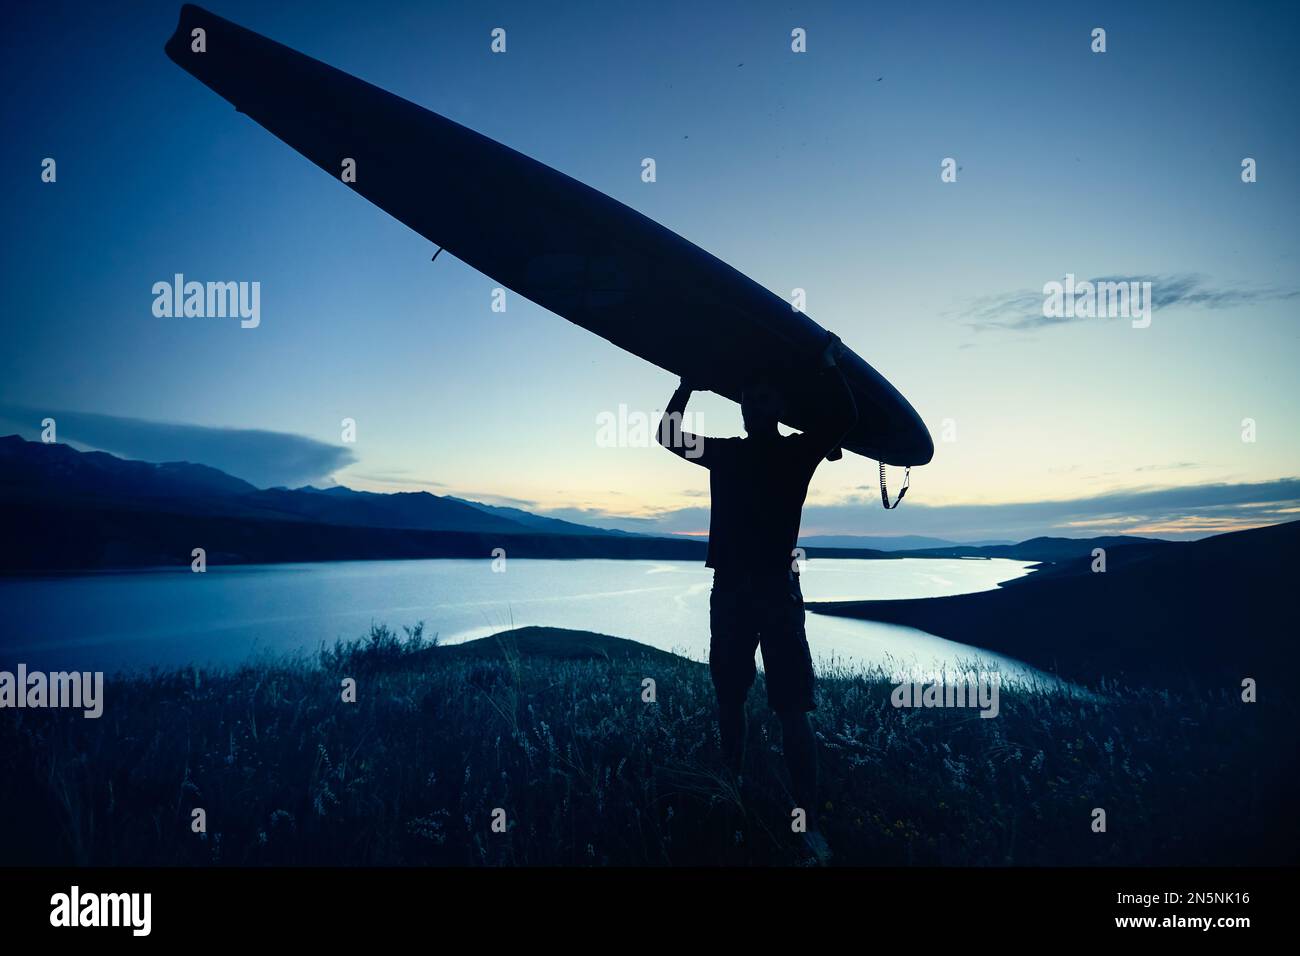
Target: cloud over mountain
{"points": [[263, 458]]}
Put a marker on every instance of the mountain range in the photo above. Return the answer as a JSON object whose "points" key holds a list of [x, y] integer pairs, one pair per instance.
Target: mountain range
{"points": [[38, 472], [74, 510]]}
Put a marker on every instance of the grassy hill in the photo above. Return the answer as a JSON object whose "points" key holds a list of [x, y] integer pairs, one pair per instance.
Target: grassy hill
{"points": [[551, 727], [1215, 610]]}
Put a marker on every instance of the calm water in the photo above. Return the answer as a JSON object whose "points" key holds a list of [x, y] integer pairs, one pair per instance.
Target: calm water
{"points": [[170, 618]]}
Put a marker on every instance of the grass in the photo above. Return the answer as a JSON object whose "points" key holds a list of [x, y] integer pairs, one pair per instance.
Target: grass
{"points": [[550, 726]]}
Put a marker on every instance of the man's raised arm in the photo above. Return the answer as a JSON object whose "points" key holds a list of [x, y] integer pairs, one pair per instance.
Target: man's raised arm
{"points": [[670, 434]]}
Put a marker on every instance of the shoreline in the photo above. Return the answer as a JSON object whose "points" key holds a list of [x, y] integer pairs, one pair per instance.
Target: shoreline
{"points": [[822, 554]]}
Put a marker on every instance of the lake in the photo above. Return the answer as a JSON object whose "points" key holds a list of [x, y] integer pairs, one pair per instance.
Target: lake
{"points": [[171, 618]]}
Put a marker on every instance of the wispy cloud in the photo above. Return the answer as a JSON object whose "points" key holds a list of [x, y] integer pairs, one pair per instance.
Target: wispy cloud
{"points": [[394, 478], [1175, 466], [505, 501], [1022, 310], [602, 518], [264, 458]]}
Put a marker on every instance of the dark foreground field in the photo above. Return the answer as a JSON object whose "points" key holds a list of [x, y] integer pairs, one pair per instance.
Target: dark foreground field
{"points": [[550, 726]]}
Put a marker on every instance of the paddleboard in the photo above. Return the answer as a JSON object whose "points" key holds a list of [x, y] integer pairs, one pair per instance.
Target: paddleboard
{"points": [[556, 241]]}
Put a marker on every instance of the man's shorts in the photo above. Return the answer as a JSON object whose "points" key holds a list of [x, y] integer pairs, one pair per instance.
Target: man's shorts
{"points": [[746, 615]]}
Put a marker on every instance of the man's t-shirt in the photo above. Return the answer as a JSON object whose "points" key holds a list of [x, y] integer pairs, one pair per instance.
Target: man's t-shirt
{"points": [[758, 488]]}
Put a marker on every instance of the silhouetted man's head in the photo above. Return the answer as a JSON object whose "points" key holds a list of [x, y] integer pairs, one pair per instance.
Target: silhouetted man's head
{"points": [[760, 406]]}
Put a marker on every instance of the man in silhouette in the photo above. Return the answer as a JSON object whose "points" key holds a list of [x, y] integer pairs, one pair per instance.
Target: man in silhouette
{"points": [[758, 484]]}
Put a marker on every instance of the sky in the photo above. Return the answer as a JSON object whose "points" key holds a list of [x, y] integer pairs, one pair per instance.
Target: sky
{"points": [[817, 170]]}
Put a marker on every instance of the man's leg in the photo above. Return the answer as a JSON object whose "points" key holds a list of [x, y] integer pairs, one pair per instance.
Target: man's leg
{"points": [[790, 692], [733, 730], [732, 643], [800, 748]]}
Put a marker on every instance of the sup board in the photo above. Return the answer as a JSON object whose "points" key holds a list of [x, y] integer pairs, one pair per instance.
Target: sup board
{"points": [[570, 248]]}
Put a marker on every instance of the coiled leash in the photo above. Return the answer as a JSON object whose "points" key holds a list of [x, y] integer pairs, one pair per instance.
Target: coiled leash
{"points": [[884, 492]]}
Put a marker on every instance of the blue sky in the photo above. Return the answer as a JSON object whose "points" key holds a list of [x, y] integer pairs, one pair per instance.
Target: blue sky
{"points": [[816, 170]]}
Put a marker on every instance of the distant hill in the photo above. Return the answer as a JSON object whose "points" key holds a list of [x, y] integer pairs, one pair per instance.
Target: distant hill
{"points": [[1048, 551], [35, 470], [1221, 609], [882, 543], [414, 510], [539, 523], [77, 510], [1039, 549], [80, 538]]}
